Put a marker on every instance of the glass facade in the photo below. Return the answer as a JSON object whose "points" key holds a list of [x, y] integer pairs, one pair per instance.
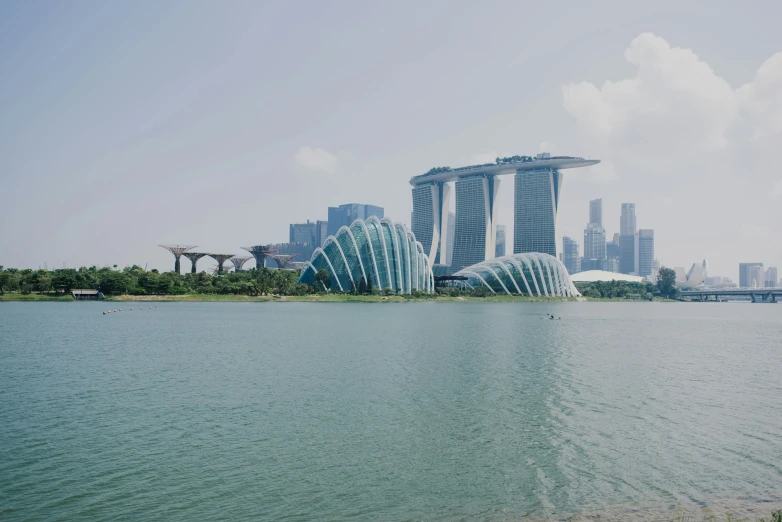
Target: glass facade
{"points": [[476, 228], [377, 250], [430, 219], [535, 211], [531, 273]]}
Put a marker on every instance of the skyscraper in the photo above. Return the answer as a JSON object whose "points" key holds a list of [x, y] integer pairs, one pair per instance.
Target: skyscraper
{"points": [[344, 215], [499, 250], [430, 219], [757, 277], [535, 211], [303, 233], [612, 249], [570, 257], [596, 212], [627, 239], [321, 233], [772, 276], [744, 275], [645, 252], [594, 242], [476, 215]]}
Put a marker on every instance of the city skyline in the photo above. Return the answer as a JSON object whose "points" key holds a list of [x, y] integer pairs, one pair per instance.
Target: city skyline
{"points": [[127, 142]]}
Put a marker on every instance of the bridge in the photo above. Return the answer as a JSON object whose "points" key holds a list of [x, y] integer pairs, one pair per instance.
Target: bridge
{"points": [[756, 295]]}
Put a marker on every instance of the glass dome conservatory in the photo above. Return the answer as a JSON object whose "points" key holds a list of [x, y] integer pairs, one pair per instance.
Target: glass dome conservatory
{"points": [[530, 274], [382, 253]]}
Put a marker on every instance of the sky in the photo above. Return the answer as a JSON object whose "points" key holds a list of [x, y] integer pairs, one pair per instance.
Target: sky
{"points": [[124, 125]]}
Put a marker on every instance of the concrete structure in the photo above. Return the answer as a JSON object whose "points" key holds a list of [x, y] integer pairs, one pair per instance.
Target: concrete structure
{"points": [[499, 249], [531, 273], [570, 257], [238, 261], [645, 252], [221, 259], [591, 276], [177, 250], [382, 253], [772, 277], [627, 230], [536, 185], [81, 294], [744, 275], [344, 215]]}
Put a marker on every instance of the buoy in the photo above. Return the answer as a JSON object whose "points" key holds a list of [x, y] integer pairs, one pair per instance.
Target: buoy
{"points": [[155, 306], [141, 308], [104, 313], [131, 309]]}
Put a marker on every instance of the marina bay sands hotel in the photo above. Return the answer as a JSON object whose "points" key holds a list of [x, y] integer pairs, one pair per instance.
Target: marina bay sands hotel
{"points": [[536, 198]]}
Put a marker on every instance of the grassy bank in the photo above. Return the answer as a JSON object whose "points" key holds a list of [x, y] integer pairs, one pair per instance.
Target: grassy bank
{"points": [[35, 297]]}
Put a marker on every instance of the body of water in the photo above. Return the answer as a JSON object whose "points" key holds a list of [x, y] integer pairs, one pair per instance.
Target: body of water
{"points": [[392, 411]]}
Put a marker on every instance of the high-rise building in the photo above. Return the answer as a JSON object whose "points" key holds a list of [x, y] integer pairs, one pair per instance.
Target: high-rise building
{"points": [[744, 275], [645, 252], [596, 212], [772, 276], [536, 187], [570, 255], [430, 219], [499, 249], [451, 238], [303, 232], [612, 248], [535, 211], [476, 225], [610, 264], [757, 277], [627, 263], [321, 233], [594, 242], [345, 215]]}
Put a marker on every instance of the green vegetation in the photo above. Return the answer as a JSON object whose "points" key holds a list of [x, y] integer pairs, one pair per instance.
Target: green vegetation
{"points": [[514, 159], [437, 170], [617, 290], [666, 283]]}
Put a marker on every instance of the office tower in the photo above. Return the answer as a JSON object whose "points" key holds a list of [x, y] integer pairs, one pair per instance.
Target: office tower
{"points": [[610, 264], [500, 243], [570, 255], [302, 233], [476, 218], [431, 202], [596, 212], [627, 263], [321, 233], [535, 211], [345, 215], [744, 275], [645, 252], [757, 277], [612, 248], [594, 242], [771, 277]]}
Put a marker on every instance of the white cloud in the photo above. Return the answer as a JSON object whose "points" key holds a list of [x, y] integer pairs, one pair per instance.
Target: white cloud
{"points": [[674, 128], [316, 160]]}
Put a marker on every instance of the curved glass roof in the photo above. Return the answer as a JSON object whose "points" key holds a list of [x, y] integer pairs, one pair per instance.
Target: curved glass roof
{"points": [[383, 253], [532, 274]]}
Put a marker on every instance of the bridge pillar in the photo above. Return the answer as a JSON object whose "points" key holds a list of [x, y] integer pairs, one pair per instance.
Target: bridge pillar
{"points": [[753, 298]]}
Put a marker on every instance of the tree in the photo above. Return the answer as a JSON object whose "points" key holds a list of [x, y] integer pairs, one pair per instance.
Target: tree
{"points": [[362, 286], [322, 277], [666, 283]]}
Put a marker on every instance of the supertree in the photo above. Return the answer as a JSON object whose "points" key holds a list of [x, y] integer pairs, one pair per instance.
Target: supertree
{"points": [[260, 253], [177, 250], [238, 261], [220, 258], [283, 259], [194, 257]]}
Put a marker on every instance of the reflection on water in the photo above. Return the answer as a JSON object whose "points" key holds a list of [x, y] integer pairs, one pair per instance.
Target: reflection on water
{"points": [[390, 411]]}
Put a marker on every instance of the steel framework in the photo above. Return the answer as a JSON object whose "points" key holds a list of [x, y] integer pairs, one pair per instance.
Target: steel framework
{"points": [[238, 261], [260, 253], [194, 257], [283, 259], [220, 258], [177, 250]]}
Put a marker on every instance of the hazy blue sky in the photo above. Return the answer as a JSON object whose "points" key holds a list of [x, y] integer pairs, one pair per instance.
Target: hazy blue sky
{"points": [[125, 125]]}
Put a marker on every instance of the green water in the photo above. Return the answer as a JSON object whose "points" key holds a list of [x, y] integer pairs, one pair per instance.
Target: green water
{"points": [[436, 411]]}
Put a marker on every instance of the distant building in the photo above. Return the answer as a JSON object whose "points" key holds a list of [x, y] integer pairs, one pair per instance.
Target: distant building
{"points": [[475, 220], [302, 232], [645, 252], [757, 277], [772, 276], [321, 233], [610, 264], [594, 242], [681, 274], [570, 255], [499, 249], [596, 212], [744, 275], [591, 264], [345, 215], [612, 248], [627, 230]]}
